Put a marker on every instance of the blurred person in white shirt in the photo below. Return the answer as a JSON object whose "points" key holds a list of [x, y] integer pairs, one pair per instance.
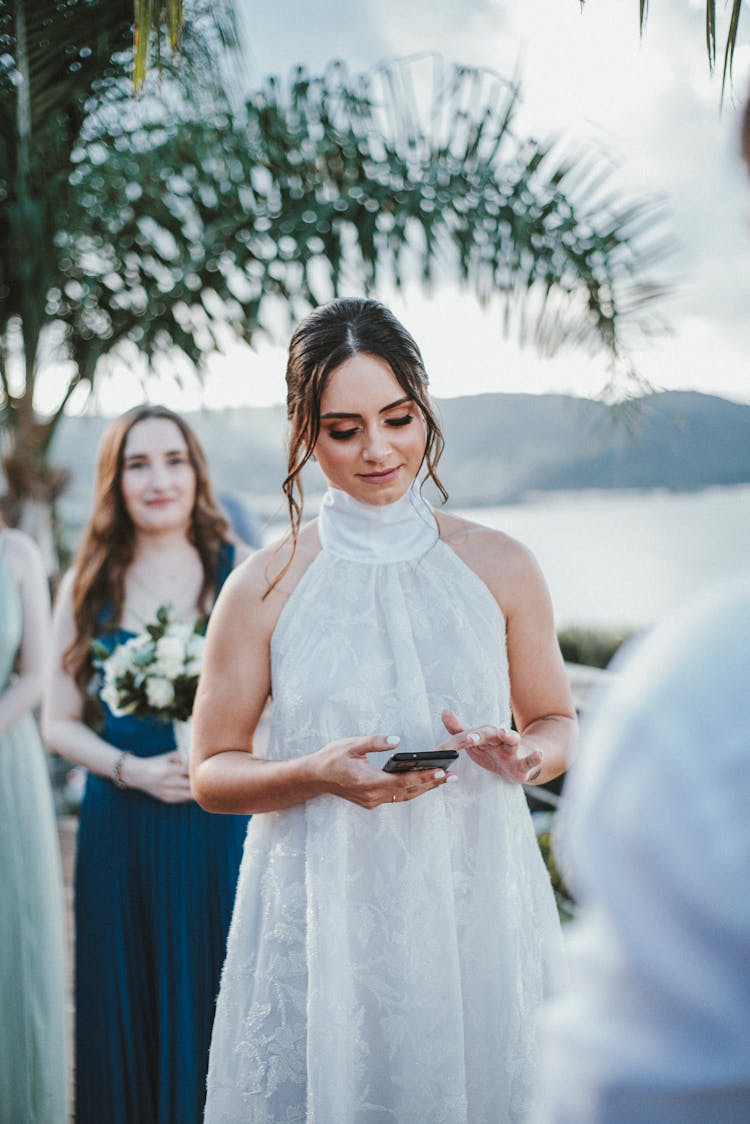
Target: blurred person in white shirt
{"points": [[655, 837]]}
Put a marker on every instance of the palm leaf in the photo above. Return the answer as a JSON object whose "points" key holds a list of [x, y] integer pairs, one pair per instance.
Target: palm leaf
{"points": [[333, 182], [150, 17], [711, 35], [734, 22]]}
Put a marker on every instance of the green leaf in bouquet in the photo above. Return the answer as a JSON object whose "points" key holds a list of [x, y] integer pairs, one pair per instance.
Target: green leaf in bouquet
{"points": [[100, 652]]}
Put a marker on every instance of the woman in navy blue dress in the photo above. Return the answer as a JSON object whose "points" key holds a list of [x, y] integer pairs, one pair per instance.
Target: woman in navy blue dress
{"points": [[155, 874]]}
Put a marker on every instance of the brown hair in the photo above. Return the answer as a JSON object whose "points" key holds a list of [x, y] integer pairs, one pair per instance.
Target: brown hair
{"points": [[108, 541], [325, 339]]}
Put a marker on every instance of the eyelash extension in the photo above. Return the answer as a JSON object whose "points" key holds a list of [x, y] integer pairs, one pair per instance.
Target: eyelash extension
{"points": [[345, 434]]}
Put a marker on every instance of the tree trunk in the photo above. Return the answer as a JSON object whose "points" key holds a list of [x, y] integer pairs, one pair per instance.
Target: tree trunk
{"points": [[33, 487]]}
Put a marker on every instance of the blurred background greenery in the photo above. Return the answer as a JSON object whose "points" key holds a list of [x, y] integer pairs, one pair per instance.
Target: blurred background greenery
{"points": [[156, 231]]}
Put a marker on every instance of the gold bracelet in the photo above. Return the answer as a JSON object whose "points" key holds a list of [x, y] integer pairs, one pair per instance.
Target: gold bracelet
{"points": [[117, 770]]}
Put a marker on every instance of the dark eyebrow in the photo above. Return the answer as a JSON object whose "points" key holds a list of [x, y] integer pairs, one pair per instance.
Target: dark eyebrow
{"points": [[385, 409], [144, 456]]}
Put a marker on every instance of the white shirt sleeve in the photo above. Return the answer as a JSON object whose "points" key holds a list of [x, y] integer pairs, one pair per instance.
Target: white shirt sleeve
{"points": [[655, 839]]}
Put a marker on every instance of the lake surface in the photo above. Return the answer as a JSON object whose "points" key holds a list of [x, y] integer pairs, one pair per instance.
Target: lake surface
{"points": [[623, 559]]}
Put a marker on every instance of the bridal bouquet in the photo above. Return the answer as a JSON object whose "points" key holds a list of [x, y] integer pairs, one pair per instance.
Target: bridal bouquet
{"points": [[154, 674]]}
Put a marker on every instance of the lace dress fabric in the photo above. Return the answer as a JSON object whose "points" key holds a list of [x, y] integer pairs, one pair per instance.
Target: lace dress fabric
{"points": [[386, 965]]}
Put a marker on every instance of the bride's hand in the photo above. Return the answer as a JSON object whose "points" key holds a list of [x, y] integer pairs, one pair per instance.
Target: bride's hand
{"points": [[498, 750], [345, 771], [165, 777]]}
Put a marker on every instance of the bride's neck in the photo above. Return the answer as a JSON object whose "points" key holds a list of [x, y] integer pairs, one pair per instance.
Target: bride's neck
{"points": [[362, 532]]}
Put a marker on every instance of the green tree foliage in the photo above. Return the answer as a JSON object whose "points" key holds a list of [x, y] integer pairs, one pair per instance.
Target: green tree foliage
{"points": [[179, 231], [168, 225], [61, 63]]}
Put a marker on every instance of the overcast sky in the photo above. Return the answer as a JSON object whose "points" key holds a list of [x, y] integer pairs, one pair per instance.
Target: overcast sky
{"points": [[651, 105]]}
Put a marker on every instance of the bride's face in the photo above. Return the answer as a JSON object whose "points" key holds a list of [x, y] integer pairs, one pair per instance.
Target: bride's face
{"points": [[372, 434]]}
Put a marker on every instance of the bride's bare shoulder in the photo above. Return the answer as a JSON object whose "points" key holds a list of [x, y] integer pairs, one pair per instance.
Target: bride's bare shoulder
{"points": [[492, 554], [269, 575]]}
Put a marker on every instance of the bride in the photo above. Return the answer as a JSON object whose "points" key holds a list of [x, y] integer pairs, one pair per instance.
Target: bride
{"points": [[393, 934]]}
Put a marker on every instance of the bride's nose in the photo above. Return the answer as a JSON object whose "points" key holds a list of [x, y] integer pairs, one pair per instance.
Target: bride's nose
{"points": [[376, 445]]}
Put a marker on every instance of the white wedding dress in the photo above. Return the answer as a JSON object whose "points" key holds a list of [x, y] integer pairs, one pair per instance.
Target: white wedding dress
{"points": [[386, 965]]}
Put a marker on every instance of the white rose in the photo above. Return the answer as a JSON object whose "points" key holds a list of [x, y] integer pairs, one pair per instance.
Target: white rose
{"points": [[118, 663], [195, 651], [170, 656], [182, 630], [138, 647], [110, 696], [159, 692]]}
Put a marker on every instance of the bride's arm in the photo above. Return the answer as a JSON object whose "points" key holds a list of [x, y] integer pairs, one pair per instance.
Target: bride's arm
{"points": [[234, 687], [541, 699]]}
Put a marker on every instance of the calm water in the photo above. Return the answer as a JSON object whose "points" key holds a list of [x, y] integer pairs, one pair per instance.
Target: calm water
{"points": [[622, 559]]}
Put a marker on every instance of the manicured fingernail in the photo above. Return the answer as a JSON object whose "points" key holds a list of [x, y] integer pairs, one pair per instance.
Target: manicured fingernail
{"points": [[474, 738], [451, 777], [392, 740], [438, 774]]}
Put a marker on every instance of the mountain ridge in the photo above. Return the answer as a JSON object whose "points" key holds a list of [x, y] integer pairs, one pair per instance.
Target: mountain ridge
{"points": [[499, 447]]}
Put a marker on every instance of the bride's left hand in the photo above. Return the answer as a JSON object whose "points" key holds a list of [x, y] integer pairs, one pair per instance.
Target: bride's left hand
{"points": [[498, 750]]}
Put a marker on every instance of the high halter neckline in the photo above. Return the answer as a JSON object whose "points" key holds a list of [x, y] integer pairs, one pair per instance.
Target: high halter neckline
{"points": [[364, 532]]}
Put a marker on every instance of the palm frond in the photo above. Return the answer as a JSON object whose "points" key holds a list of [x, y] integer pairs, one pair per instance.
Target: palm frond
{"points": [[711, 32], [711, 36], [151, 17], [734, 23], [332, 182]]}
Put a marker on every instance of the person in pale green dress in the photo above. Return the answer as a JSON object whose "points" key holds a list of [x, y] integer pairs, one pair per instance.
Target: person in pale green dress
{"points": [[33, 1016]]}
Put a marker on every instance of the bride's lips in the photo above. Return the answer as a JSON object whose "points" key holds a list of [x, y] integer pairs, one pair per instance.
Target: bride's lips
{"points": [[383, 477]]}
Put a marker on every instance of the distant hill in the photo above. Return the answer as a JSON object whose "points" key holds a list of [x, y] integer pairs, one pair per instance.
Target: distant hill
{"points": [[499, 447]]}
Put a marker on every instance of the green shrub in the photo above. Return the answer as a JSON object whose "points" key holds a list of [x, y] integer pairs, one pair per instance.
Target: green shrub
{"points": [[593, 647], [543, 825]]}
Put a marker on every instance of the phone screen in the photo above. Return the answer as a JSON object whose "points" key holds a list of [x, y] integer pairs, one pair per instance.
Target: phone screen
{"points": [[425, 759]]}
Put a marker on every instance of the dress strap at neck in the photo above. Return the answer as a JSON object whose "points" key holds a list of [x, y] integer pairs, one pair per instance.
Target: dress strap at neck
{"points": [[363, 532]]}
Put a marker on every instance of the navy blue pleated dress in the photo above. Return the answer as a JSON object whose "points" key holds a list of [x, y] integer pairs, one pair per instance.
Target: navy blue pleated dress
{"points": [[154, 890]]}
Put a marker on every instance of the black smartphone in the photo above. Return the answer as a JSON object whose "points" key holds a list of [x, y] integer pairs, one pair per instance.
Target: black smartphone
{"points": [[424, 759]]}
